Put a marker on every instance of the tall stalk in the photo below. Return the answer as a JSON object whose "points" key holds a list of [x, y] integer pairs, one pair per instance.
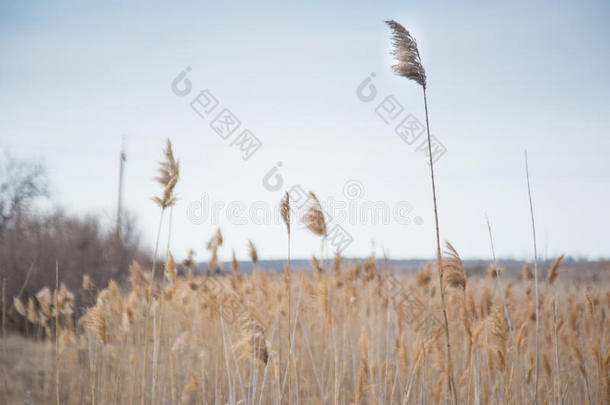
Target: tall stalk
{"points": [[558, 372], [289, 280], [285, 213], [154, 263], [506, 314], [537, 369], [169, 173], [439, 260], [56, 333], [169, 231], [409, 66]]}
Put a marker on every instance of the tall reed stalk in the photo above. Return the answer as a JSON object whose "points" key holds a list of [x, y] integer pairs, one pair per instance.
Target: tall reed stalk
{"points": [[3, 317], [556, 336], [57, 332], [169, 173], [537, 368], [409, 66], [285, 212], [506, 314]]}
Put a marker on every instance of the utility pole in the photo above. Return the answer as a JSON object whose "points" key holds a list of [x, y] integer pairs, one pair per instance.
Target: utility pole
{"points": [[122, 160], [118, 254]]}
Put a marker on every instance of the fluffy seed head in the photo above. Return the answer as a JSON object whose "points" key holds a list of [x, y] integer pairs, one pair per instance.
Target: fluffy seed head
{"points": [[553, 272], [455, 275], [87, 282], [234, 263], [169, 173], [406, 54], [190, 259], [19, 307], [170, 268], [252, 252], [285, 211], [314, 218]]}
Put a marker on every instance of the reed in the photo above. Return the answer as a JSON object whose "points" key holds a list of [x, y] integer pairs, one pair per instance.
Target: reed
{"points": [[537, 301], [409, 66], [169, 174]]}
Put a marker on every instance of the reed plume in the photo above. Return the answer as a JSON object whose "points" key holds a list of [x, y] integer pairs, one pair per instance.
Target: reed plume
{"points": [[169, 173], [285, 211], [213, 244], [316, 266], [32, 313], [406, 54], [314, 218], [189, 261], [409, 65], [553, 272], [171, 273], [252, 252], [96, 321], [234, 263], [19, 307], [253, 341], [44, 300], [87, 284], [456, 275]]}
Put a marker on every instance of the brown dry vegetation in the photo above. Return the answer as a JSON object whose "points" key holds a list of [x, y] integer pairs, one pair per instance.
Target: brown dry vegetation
{"points": [[357, 337], [344, 333]]}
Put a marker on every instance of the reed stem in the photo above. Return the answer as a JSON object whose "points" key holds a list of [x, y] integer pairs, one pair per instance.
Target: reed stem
{"points": [[439, 262], [537, 369]]}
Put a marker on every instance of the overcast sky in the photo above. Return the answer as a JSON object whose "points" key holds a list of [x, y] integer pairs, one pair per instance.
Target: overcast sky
{"points": [[75, 77]]}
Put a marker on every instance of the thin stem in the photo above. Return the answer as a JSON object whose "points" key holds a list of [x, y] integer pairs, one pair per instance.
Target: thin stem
{"points": [[313, 363], [279, 339], [506, 314], [558, 372], [4, 317], [56, 333], [439, 261], [292, 334], [169, 230], [154, 264], [260, 399], [529, 193], [146, 320], [289, 280]]}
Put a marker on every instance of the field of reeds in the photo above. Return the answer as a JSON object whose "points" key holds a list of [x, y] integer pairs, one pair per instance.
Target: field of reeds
{"points": [[338, 332], [348, 332]]}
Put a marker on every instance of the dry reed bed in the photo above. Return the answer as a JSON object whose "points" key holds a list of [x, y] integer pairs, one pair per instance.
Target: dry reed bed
{"points": [[342, 334], [197, 339]]}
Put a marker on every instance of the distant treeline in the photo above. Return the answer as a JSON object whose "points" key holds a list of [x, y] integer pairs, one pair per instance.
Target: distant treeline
{"points": [[34, 241]]}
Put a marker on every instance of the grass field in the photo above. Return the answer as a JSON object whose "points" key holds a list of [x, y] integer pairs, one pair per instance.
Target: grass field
{"points": [[351, 333], [338, 332]]}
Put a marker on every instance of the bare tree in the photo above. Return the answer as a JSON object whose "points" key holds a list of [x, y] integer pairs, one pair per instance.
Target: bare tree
{"points": [[21, 183]]}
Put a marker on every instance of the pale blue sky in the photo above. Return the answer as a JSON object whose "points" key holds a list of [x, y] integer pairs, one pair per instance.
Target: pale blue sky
{"points": [[76, 76]]}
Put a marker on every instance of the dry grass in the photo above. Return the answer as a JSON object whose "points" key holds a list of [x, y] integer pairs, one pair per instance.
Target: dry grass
{"points": [[353, 333], [217, 341]]}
